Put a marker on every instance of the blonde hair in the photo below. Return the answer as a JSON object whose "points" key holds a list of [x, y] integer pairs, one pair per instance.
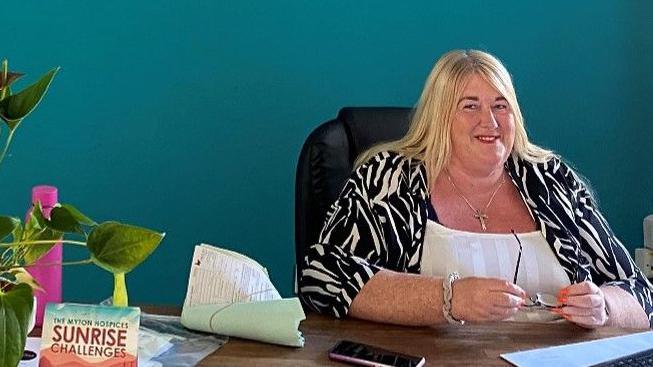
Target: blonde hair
{"points": [[429, 135]]}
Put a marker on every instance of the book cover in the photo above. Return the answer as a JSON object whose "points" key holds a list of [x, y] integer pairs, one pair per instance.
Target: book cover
{"points": [[89, 335]]}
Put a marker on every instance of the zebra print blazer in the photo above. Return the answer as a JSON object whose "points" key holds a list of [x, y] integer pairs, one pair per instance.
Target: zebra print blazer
{"points": [[378, 222]]}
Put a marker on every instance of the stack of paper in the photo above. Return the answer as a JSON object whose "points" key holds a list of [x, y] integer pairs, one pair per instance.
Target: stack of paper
{"points": [[231, 294]]}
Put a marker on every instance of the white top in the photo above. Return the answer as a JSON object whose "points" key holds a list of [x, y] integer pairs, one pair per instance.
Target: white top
{"points": [[494, 255]]}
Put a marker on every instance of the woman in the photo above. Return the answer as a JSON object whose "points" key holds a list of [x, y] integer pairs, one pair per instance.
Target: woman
{"points": [[430, 229]]}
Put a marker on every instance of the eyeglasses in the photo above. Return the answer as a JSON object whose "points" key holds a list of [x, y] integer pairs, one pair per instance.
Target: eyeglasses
{"points": [[538, 300], [545, 300], [577, 273], [514, 280]]}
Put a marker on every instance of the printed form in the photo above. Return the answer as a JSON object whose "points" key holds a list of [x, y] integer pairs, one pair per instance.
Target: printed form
{"points": [[221, 276]]}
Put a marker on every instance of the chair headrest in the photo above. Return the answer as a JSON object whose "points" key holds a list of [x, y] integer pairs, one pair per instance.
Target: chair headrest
{"points": [[327, 159], [369, 126]]}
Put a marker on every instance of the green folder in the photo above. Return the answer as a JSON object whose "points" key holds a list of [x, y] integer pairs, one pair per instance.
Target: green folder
{"points": [[275, 321]]}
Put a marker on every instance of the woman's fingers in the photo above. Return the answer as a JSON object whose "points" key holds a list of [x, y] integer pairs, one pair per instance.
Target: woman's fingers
{"points": [[500, 313], [579, 289], [583, 304], [510, 288], [586, 321], [493, 313], [505, 300], [585, 301], [487, 299], [503, 305], [577, 311]]}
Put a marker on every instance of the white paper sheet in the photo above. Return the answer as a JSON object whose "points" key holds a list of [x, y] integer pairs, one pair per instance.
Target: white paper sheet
{"points": [[222, 276], [583, 354], [231, 294]]}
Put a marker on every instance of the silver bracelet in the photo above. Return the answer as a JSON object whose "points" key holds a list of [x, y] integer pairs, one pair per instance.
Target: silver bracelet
{"points": [[447, 288]]}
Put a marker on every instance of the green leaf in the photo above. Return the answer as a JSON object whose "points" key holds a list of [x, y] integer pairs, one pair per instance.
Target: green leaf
{"points": [[11, 77], [36, 251], [119, 248], [15, 310], [7, 226], [31, 226], [62, 220], [36, 229], [67, 218], [17, 233], [81, 218], [22, 276], [37, 214], [15, 108]]}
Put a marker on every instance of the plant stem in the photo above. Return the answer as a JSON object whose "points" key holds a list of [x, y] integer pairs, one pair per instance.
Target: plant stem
{"points": [[43, 242], [80, 262], [4, 151], [119, 290]]}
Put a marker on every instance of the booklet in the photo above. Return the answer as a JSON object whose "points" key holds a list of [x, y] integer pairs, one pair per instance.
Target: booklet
{"points": [[231, 294], [89, 335]]}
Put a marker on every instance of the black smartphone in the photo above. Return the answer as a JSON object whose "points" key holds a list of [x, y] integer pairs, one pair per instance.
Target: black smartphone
{"points": [[367, 355]]}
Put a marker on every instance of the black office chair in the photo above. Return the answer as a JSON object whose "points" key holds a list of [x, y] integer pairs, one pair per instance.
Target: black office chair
{"points": [[327, 159]]}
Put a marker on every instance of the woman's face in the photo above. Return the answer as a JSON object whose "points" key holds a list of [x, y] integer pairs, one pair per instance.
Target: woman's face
{"points": [[483, 129]]}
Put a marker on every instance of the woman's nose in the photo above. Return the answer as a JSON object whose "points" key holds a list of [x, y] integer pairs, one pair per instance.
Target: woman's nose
{"points": [[488, 119]]}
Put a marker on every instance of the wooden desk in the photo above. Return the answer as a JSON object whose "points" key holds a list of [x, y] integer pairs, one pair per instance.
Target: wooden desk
{"points": [[471, 344]]}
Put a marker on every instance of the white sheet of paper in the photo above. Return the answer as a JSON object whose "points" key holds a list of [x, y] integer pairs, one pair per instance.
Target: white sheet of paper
{"points": [[583, 354], [222, 276]]}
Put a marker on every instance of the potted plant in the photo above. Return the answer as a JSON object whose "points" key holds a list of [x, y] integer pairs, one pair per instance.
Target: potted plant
{"points": [[113, 246]]}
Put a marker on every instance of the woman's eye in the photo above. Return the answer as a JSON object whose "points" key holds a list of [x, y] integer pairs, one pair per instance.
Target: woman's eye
{"points": [[470, 107], [501, 106]]}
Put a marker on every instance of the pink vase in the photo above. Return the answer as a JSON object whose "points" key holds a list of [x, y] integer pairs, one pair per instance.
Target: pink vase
{"points": [[47, 270]]}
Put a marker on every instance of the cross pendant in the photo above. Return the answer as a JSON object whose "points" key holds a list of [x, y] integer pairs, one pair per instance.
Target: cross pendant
{"points": [[481, 218]]}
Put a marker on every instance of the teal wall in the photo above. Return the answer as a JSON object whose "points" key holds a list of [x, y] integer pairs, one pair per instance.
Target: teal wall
{"points": [[188, 116]]}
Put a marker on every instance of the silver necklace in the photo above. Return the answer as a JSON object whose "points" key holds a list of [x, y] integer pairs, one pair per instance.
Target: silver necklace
{"points": [[478, 214]]}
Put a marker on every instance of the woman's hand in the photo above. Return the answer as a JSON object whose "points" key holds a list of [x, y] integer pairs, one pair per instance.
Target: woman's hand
{"points": [[485, 299], [583, 304]]}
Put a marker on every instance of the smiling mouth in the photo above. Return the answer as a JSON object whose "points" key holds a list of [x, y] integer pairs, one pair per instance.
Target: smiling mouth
{"points": [[487, 138]]}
